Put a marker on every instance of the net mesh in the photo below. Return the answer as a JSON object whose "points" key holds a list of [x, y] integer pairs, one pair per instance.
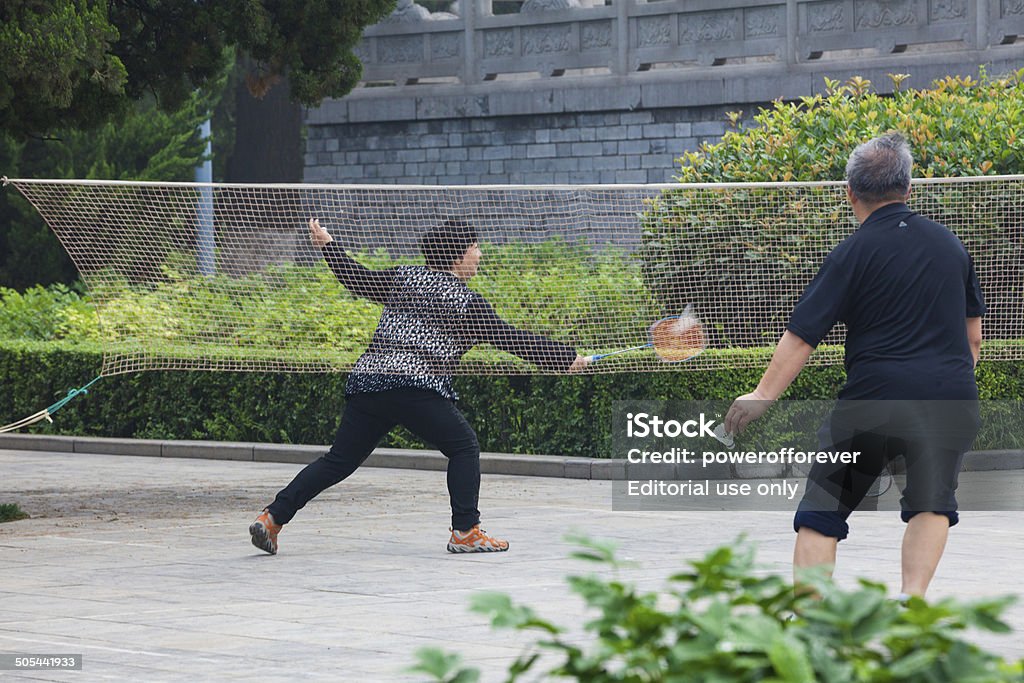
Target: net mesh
{"points": [[223, 277]]}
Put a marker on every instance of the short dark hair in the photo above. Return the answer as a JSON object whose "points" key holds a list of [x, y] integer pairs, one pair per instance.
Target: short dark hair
{"points": [[879, 169], [445, 244]]}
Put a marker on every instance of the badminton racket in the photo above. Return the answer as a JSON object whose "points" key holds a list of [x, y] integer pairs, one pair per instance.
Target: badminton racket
{"points": [[674, 339]]}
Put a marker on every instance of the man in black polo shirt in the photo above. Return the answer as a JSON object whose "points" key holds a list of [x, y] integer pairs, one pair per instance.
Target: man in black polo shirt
{"points": [[906, 289]]}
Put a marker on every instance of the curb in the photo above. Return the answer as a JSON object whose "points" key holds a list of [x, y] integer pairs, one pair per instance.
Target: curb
{"points": [[565, 467], [557, 466]]}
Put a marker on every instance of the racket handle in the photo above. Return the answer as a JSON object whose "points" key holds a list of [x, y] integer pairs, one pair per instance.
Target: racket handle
{"points": [[599, 356]]}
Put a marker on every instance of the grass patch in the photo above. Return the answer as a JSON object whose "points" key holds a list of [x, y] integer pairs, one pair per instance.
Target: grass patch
{"points": [[10, 512]]}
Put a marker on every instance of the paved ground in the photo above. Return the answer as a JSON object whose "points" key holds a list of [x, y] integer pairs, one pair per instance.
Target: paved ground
{"points": [[143, 565]]}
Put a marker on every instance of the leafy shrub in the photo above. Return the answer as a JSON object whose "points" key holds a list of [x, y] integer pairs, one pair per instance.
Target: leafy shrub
{"points": [[297, 312], [10, 512], [961, 126], [723, 620], [41, 313], [744, 254]]}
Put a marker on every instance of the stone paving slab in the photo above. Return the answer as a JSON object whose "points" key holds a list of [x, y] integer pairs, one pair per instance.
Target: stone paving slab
{"points": [[143, 565]]}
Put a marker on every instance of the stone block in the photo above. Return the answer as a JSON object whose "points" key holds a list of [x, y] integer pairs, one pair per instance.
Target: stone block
{"points": [[449, 154], [659, 175], [612, 133], [407, 459], [477, 139], [626, 176], [602, 99], [660, 130], [634, 147], [34, 442], [633, 118], [577, 468], [683, 129], [410, 155], [564, 135], [474, 167], [659, 161], [110, 446], [602, 163], [540, 151], [709, 129], [527, 102], [299, 455], [586, 149], [207, 450], [608, 470], [565, 164], [983, 461], [435, 140], [374, 109], [523, 465]]}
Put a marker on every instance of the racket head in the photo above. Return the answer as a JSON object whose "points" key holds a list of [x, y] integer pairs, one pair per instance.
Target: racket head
{"points": [[677, 338]]}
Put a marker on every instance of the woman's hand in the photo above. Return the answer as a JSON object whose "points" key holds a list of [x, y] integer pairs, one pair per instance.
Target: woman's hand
{"points": [[318, 235], [580, 363]]}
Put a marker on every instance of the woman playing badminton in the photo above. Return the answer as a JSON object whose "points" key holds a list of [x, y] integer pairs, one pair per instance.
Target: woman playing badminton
{"points": [[430, 319]]}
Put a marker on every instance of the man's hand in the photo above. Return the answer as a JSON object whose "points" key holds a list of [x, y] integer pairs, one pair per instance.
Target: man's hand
{"points": [[745, 410], [578, 364], [317, 235]]}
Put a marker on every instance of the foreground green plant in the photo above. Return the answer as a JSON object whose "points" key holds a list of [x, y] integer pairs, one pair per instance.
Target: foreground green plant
{"points": [[10, 512], [723, 620]]}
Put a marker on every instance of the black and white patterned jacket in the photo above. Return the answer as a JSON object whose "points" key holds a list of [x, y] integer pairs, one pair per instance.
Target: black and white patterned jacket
{"points": [[430, 319]]}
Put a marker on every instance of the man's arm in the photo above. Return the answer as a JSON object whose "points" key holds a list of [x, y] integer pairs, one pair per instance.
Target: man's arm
{"points": [[974, 337], [790, 356], [374, 285]]}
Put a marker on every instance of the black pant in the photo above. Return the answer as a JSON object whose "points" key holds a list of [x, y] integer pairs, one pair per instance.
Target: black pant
{"points": [[367, 419], [931, 436]]}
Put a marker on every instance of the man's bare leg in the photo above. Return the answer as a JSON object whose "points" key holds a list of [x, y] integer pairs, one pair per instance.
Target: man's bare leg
{"points": [[923, 544], [813, 549]]}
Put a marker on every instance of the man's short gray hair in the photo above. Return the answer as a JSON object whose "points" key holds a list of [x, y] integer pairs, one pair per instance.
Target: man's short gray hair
{"points": [[879, 169]]}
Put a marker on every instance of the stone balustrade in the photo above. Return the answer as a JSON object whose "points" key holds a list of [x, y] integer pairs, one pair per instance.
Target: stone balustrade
{"points": [[592, 91], [559, 37]]}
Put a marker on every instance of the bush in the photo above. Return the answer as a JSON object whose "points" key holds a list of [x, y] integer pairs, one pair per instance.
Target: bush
{"points": [[564, 415], [46, 313], [723, 620], [959, 127], [296, 313], [745, 254], [10, 512]]}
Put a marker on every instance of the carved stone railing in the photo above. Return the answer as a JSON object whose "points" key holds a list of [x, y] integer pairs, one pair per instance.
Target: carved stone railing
{"points": [[629, 36]]}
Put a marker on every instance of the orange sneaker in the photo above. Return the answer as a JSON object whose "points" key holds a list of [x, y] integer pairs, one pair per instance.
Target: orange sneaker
{"points": [[475, 540], [264, 533]]}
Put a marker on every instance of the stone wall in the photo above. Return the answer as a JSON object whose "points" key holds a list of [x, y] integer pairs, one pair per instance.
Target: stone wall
{"points": [[613, 146], [584, 91]]}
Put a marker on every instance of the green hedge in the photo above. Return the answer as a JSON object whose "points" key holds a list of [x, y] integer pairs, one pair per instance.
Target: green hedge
{"points": [[742, 256], [515, 414]]}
